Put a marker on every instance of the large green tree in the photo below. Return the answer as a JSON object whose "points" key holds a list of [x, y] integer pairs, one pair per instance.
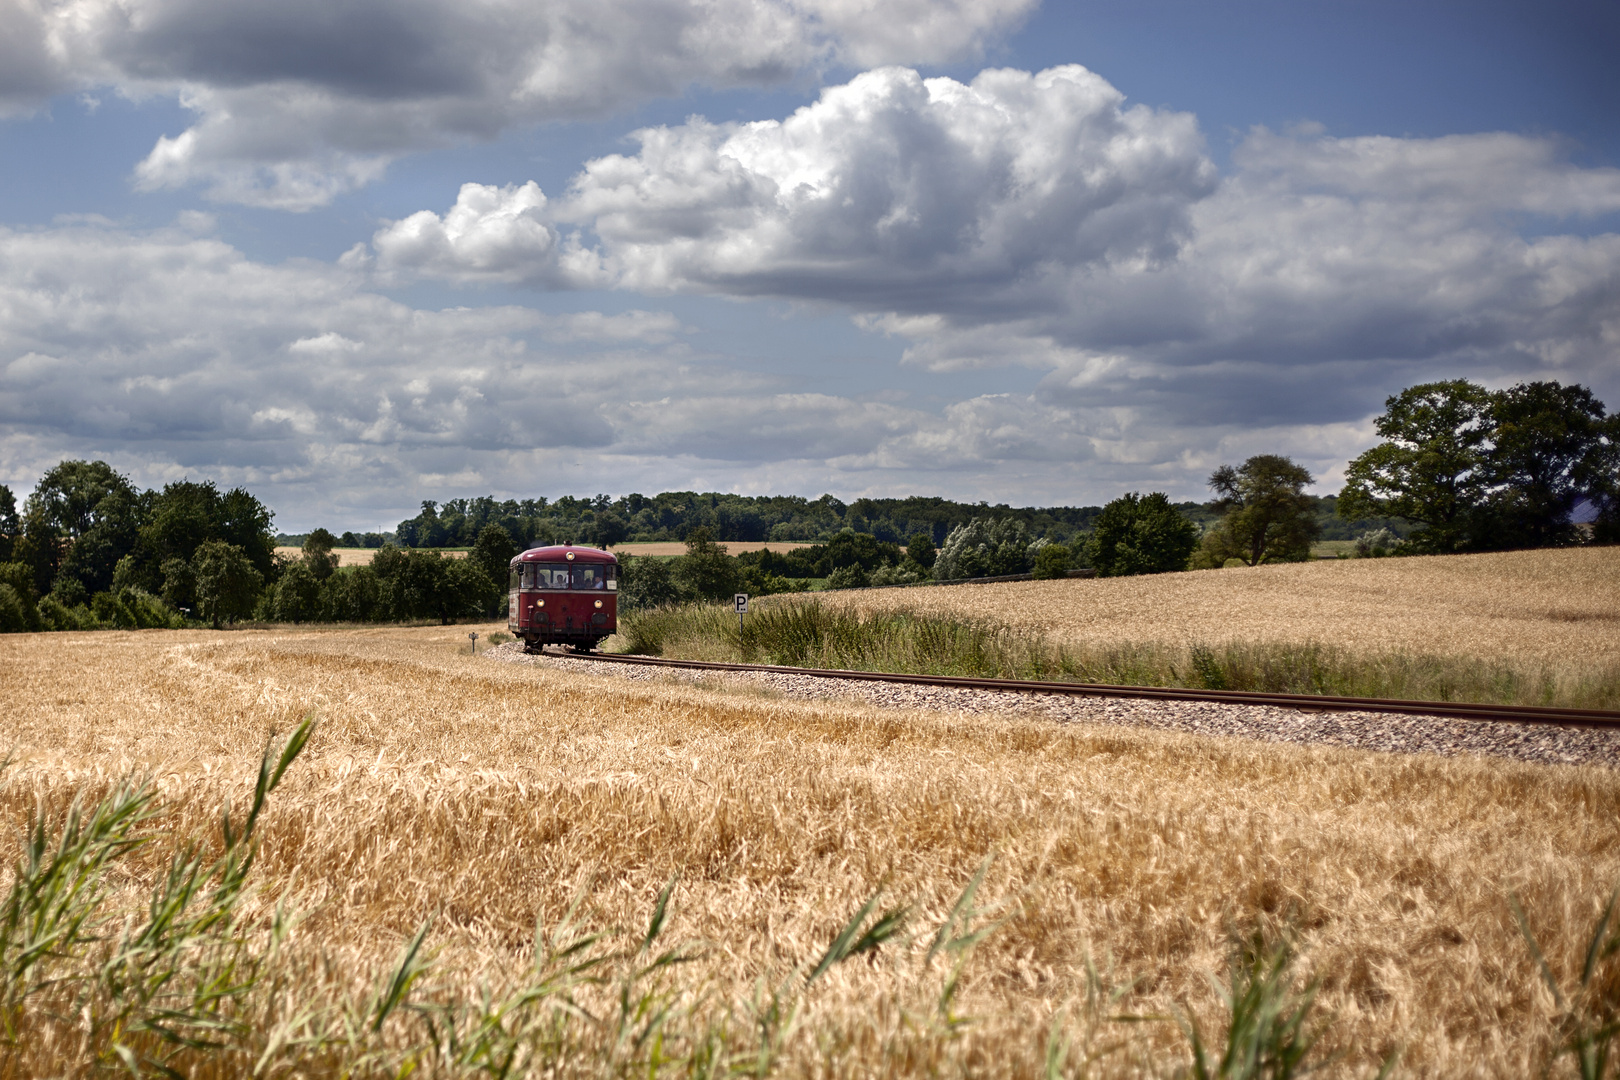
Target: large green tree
{"points": [[10, 523], [1268, 516], [69, 501], [1433, 467], [1480, 469], [93, 557], [188, 513], [1552, 446], [69, 496], [1141, 534]]}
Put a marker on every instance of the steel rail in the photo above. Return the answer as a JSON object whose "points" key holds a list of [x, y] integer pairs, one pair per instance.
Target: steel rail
{"points": [[1517, 714]]}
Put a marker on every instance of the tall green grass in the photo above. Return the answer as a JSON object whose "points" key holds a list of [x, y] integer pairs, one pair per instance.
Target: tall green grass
{"points": [[801, 632]]}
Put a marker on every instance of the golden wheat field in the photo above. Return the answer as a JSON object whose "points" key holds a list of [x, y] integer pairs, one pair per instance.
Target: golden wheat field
{"points": [[480, 795], [1549, 606]]}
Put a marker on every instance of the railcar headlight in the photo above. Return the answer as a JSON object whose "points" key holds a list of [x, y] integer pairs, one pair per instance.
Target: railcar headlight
{"points": [[599, 603], [569, 556], [539, 603]]}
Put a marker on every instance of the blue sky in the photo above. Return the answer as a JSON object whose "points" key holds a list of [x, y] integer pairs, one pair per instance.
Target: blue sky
{"points": [[353, 256]]}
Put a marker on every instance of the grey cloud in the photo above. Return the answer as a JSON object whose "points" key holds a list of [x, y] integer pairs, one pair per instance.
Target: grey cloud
{"points": [[112, 337], [173, 356], [297, 102], [31, 68]]}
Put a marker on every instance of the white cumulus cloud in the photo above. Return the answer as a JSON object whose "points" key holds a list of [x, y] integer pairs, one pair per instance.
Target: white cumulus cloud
{"points": [[1039, 220]]}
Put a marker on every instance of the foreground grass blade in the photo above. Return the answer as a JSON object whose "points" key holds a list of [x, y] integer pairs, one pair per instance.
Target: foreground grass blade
{"points": [[852, 940]]}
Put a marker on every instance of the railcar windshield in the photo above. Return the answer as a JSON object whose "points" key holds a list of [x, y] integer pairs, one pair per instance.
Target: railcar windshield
{"points": [[569, 576]]}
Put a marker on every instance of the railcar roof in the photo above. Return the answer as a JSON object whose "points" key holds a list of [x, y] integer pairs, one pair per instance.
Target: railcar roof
{"points": [[565, 553]]}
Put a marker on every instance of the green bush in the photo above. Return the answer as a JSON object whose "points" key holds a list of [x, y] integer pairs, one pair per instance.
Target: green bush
{"points": [[13, 619], [646, 582], [130, 608], [296, 597], [351, 594], [1052, 561], [21, 610], [848, 577], [55, 615], [909, 572]]}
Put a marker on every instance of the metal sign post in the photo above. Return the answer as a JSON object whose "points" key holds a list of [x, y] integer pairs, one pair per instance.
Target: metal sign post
{"points": [[741, 600], [474, 638]]}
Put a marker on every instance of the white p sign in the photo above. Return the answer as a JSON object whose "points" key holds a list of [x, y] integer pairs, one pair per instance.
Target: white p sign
{"points": [[742, 603]]}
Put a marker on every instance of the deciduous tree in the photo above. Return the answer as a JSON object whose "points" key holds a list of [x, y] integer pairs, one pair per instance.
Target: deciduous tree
{"points": [[1552, 445], [1480, 469], [1269, 518], [10, 523], [493, 554], [319, 559], [1432, 469], [1141, 534], [226, 582], [705, 571]]}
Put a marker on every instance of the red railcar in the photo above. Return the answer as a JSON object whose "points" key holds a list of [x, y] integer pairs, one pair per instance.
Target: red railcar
{"points": [[563, 595]]}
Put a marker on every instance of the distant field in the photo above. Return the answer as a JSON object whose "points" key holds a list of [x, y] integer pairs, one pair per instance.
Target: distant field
{"points": [[362, 556], [1559, 607], [473, 796], [733, 547]]}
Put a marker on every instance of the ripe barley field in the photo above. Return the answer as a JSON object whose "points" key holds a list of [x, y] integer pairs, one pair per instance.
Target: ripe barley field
{"points": [[1554, 606]]}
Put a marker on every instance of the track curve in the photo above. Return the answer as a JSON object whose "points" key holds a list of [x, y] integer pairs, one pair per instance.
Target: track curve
{"points": [[1513, 714]]}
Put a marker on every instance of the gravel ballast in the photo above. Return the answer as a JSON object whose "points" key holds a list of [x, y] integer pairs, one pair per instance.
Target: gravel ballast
{"points": [[1388, 732]]}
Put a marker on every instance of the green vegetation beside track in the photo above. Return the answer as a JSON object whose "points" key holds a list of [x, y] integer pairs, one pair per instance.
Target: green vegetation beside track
{"points": [[801, 632]]}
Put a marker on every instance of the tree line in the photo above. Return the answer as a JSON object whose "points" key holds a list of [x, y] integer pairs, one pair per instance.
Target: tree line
{"points": [[676, 515], [1460, 468], [89, 550]]}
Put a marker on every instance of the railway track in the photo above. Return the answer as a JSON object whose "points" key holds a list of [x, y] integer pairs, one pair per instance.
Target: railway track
{"points": [[1512, 714]]}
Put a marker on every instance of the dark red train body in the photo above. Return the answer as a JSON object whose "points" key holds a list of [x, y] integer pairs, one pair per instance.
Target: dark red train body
{"points": [[563, 595]]}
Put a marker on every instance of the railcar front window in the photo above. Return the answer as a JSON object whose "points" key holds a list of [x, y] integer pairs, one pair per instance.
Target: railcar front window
{"points": [[550, 575]]}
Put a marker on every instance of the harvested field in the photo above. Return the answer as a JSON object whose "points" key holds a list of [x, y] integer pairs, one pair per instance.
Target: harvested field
{"points": [[1550, 606], [732, 547], [356, 556], [480, 794]]}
